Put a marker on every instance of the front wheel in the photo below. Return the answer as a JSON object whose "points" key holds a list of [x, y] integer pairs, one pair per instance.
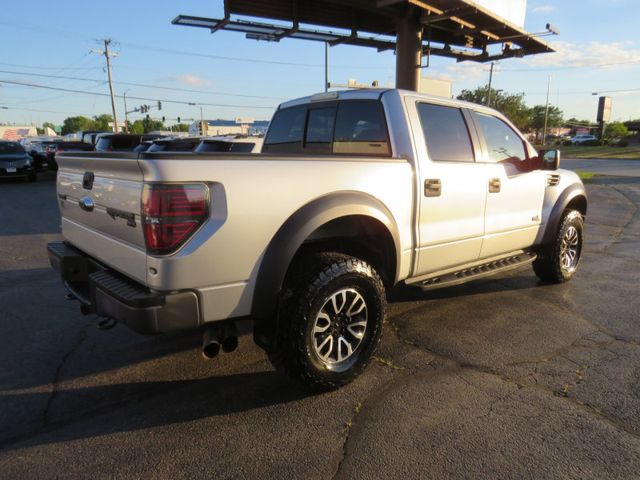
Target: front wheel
{"points": [[559, 261], [330, 320]]}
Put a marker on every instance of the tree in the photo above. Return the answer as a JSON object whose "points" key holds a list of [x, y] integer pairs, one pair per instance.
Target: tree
{"points": [[101, 122], [554, 118], [146, 125], [75, 124], [510, 105], [615, 130], [180, 127]]}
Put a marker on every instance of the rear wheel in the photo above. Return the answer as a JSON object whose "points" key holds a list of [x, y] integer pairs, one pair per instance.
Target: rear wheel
{"points": [[32, 177], [330, 320], [559, 261]]}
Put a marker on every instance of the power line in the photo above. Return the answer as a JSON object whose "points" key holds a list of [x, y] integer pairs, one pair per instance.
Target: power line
{"points": [[179, 102], [241, 59], [134, 84]]}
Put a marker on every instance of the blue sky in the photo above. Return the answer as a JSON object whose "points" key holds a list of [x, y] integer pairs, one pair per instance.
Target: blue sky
{"points": [[598, 51]]}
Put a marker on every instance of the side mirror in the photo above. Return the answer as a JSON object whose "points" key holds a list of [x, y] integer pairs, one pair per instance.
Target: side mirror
{"points": [[548, 159]]}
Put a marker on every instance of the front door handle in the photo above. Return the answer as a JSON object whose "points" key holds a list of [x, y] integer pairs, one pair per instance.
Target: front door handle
{"points": [[494, 185], [432, 187]]}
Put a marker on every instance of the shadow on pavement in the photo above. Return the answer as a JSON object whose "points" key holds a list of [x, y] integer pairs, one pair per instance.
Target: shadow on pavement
{"points": [[406, 293], [131, 407]]}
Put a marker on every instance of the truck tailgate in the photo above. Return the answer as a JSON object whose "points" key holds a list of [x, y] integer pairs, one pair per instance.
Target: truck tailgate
{"points": [[100, 205]]}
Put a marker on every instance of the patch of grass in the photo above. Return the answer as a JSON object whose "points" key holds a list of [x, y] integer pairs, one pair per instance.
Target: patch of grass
{"points": [[621, 153], [387, 363], [586, 177]]}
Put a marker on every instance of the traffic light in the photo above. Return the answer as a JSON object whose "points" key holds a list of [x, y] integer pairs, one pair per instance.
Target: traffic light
{"points": [[163, 120], [159, 105], [178, 119]]}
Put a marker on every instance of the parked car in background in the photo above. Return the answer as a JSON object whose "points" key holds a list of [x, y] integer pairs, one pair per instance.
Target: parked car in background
{"points": [[230, 143], [16, 162], [55, 148], [121, 142], [90, 136], [581, 138], [185, 144], [36, 147]]}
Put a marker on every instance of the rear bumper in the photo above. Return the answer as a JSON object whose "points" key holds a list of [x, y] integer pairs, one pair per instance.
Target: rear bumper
{"points": [[20, 172], [110, 294]]}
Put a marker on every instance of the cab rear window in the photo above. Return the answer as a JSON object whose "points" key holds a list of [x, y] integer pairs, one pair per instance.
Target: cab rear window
{"points": [[350, 127]]}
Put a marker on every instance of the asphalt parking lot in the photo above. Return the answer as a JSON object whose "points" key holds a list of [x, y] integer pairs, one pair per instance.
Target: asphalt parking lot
{"points": [[502, 378]]}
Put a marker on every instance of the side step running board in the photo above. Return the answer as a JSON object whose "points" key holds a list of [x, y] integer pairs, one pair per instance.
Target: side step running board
{"points": [[481, 270]]}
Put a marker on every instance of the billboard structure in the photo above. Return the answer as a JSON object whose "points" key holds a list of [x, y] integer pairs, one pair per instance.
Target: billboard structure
{"points": [[513, 11], [481, 31]]}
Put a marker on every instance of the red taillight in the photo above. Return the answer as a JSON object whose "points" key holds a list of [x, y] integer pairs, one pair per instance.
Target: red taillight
{"points": [[171, 214]]}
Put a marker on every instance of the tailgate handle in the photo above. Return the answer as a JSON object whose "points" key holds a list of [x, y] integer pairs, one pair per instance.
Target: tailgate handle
{"points": [[86, 204], [87, 180]]}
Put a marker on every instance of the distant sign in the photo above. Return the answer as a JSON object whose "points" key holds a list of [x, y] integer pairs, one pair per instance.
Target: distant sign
{"points": [[513, 11], [245, 120], [604, 109]]}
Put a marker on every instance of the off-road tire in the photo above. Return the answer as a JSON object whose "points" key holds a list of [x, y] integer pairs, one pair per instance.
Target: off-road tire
{"points": [[549, 265], [309, 285]]}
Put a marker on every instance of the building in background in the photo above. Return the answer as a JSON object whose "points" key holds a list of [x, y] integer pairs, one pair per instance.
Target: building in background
{"points": [[227, 127], [16, 132]]}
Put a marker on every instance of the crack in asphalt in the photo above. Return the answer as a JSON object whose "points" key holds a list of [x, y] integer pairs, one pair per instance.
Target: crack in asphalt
{"points": [[57, 377], [585, 407], [618, 235], [80, 338]]}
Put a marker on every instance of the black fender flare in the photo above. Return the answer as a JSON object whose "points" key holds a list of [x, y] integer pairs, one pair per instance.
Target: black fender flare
{"points": [[570, 193], [297, 228]]}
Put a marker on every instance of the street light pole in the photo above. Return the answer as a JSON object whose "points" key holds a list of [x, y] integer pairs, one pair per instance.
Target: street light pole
{"points": [[546, 113], [202, 122], [326, 66]]}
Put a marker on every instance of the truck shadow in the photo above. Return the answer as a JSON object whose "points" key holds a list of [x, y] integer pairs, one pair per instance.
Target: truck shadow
{"points": [[102, 410]]}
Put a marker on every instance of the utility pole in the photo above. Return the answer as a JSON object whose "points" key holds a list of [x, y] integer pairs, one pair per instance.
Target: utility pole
{"points": [[126, 113], [108, 56], [489, 87], [546, 113]]}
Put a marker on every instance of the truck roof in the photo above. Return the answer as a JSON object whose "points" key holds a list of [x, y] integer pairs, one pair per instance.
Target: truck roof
{"points": [[376, 93]]}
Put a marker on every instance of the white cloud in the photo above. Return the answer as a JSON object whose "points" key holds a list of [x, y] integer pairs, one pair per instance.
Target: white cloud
{"points": [[612, 55], [543, 9], [191, 80]]}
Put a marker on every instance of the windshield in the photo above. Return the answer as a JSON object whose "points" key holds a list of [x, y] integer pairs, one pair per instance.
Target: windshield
{"points": [[10, 148]]}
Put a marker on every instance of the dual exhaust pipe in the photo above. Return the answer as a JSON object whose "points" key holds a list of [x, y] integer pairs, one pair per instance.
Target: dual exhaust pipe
{"points": [[219, 337]]}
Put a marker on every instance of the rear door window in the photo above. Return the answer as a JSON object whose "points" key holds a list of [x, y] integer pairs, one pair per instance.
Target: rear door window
{"points": [[445, 133]]}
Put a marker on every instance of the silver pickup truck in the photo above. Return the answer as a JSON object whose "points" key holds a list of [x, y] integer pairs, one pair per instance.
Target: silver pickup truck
{"points": [[353, 193]]}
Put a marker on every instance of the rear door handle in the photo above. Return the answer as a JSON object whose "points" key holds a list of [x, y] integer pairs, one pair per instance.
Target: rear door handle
{"points": [[432, 187], [494, 185]]}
